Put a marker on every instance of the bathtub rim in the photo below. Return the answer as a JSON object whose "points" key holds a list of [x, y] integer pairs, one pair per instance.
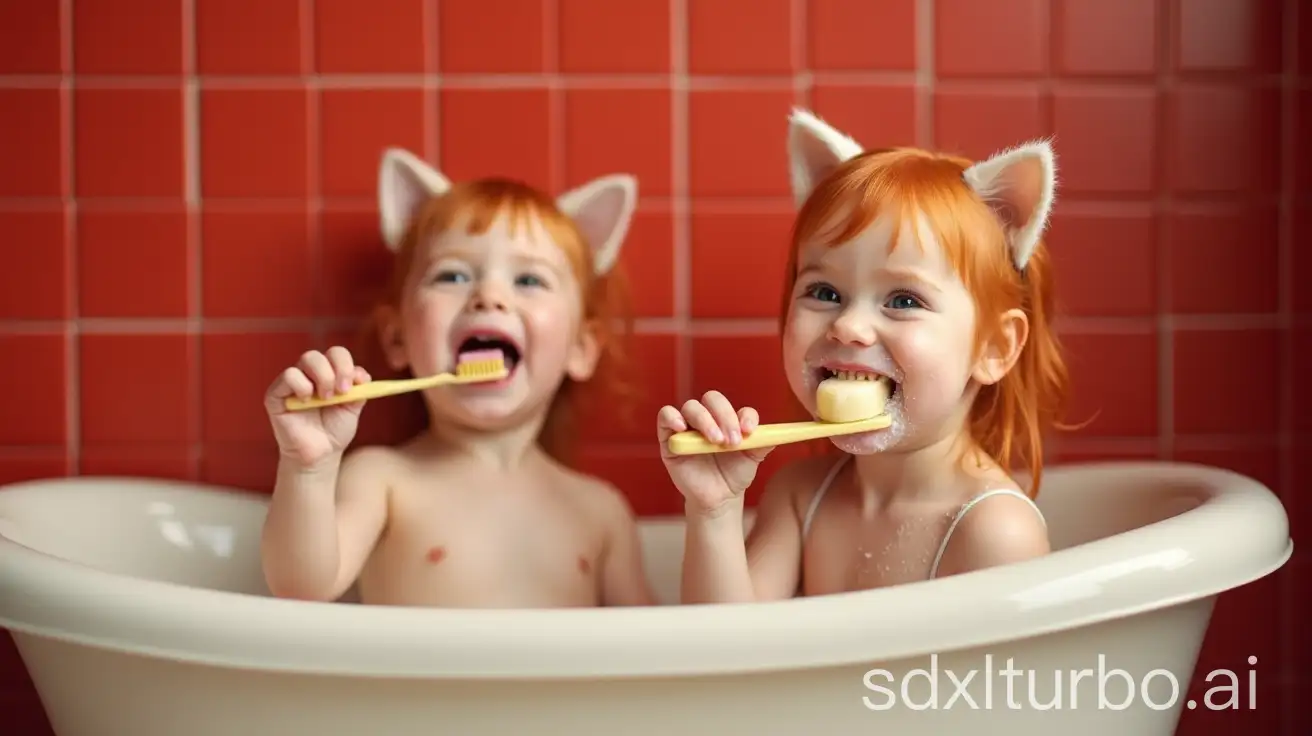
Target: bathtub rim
{"points": [[307, 638]]}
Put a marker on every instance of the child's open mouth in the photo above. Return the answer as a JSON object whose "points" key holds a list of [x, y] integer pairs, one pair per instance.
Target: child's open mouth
{"points": [[487, 341]]}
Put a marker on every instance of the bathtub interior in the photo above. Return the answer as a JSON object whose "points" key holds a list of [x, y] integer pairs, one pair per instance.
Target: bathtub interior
{"points": [[209, 537]]}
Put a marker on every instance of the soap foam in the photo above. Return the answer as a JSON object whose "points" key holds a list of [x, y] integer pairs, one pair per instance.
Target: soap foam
{"points": [[879, 440]]}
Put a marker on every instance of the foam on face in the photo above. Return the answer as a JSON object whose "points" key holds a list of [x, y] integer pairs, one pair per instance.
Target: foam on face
{"points": [[852, 397]]}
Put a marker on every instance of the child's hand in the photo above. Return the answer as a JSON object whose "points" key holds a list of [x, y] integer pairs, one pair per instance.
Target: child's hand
{"points": [[311, 436], [710, 481]]}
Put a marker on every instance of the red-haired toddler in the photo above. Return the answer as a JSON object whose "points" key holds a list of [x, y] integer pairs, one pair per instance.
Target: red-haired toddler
{"points": [[927, 269], [478, 510]]}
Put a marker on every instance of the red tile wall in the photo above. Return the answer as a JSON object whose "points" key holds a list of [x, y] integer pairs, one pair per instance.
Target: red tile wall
{"points": [[186, 202]]}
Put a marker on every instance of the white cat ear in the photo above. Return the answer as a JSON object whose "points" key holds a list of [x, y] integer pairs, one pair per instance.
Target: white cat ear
{"points": [[1020, 184], [603, 209], [405, 183], [815, 148]]}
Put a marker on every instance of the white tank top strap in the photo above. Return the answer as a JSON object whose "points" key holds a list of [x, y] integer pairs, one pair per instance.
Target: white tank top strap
{"points": [[820, 494], [967, 506]]}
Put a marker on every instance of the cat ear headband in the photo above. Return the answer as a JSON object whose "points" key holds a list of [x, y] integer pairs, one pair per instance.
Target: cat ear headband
{"points": [[1018, 183], [602, 208]]}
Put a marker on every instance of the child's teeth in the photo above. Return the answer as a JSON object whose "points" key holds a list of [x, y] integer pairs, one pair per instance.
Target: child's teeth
{"points": [[847, 375]]}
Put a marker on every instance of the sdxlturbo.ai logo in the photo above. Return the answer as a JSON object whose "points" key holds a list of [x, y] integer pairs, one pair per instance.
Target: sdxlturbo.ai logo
{"points": [[1114, 688]]}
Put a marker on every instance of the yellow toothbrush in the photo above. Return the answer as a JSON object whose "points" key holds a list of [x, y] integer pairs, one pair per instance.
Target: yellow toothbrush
{"points": [[476, 370], [849, 403], [769, 435]]}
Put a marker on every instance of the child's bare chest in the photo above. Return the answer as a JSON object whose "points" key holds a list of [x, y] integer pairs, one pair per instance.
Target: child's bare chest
{"points": [[847, 550], [510, 544]]}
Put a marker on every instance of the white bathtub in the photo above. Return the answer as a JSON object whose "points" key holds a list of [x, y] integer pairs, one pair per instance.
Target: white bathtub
{"points": [[140, 610]]}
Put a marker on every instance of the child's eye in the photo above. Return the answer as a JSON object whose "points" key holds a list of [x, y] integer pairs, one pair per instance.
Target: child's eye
{"points": [[450, 277], [529, 279], [904, 301], [822, 292]]}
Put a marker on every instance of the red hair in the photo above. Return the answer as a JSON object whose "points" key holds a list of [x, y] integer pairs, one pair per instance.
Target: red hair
{"points": [[1008, 418], [605, 298]]}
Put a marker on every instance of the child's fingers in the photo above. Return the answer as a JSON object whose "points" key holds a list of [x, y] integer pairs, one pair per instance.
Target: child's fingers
{"points": [[362, 375], [725, 417], [748, 420], [316, 366], [669, 421], [343, 367], [699, 418], [291, 382]]}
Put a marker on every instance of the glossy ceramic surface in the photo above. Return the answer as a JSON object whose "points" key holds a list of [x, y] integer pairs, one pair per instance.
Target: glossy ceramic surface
{"points": [[140, 604]]}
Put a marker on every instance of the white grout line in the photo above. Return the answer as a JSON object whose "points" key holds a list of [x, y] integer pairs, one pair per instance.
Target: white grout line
{"points": [[432, 96], [430, 15], [73, 357], [1165, 323], [609, 81], [1212, 204], [926, 79], [1203, 205], [314, 170], [557, 136], [626, 81], [798, 50], [1289, 623], [681, 167], [763, 325], [193, 196], [475, 81]]}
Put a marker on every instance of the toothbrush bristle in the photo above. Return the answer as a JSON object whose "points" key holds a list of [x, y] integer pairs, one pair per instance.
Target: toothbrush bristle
{"points": [[489, 368]]}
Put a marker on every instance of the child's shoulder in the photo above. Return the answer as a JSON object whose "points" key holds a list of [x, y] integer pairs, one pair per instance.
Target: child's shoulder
{"points": [[375, 461], [998, 524]]}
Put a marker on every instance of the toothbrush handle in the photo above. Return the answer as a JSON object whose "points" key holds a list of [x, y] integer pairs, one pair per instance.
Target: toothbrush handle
{"points": [[770, 435], [362, 392]]}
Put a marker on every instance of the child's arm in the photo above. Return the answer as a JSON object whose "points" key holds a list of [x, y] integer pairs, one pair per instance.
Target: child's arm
{"points": [[623, 577], [719, 566], [774, 546], [322, 524], [715, 568], [999, 531]]}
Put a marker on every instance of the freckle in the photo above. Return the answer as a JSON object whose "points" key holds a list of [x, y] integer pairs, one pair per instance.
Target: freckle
{"points": [[436, 555], [585, 566]]}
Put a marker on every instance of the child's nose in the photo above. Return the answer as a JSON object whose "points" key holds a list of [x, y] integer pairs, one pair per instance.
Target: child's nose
{"points": [[853, 329], [489, 298]]}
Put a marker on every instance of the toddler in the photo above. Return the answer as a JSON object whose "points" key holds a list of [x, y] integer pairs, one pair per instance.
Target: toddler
{"points": [[929, 270], [479, 510]]}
